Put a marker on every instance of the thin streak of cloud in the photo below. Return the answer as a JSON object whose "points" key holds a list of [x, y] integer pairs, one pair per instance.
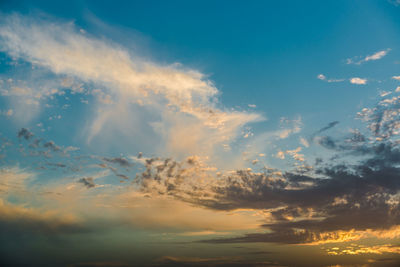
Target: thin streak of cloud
{"points": [[322, 77], [376, 56]]}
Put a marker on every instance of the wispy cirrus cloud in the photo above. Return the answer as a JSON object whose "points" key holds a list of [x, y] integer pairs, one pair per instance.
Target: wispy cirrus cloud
{"points": [[376, 56], [322, 77], [180, 96]]}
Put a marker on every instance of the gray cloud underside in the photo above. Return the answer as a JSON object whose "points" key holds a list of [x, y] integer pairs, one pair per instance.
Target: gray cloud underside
{"points": [[359, 195]]}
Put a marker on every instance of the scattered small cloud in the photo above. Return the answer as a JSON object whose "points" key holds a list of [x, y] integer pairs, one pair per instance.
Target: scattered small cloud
{"points": [[25, 133], [322, 77], [357, 80], [375, 56], [88, 182], [120, 160]]}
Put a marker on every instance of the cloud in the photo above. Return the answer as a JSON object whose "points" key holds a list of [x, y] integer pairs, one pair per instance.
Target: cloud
{"points": [[38, 143], [25, 133], [88, 182], [323, 78], [332, 202], [287, 237], [184, 100], [121, 161], [377, 55], [329, 126], [17, 219], [52, 146], [360, 249], [357, 80]]}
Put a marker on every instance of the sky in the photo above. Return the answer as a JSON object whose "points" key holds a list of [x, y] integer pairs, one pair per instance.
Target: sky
{"points": [[200, 133]]}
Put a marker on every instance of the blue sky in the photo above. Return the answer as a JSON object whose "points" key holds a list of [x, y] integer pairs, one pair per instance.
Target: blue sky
{"points": [[266, 128]]}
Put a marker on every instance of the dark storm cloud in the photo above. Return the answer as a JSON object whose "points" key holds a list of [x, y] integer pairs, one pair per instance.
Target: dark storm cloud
{"points": [[25, 133], [88, 182]]}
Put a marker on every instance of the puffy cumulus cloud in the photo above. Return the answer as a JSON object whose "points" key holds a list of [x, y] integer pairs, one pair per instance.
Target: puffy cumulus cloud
{"points": [[376, 56], [184, 100], [357, 80]]}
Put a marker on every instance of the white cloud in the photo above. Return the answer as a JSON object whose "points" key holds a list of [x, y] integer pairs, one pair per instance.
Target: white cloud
{"points": [[322, 77], [304, 142], [357, 80], [183, 100], [375, 56]]}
